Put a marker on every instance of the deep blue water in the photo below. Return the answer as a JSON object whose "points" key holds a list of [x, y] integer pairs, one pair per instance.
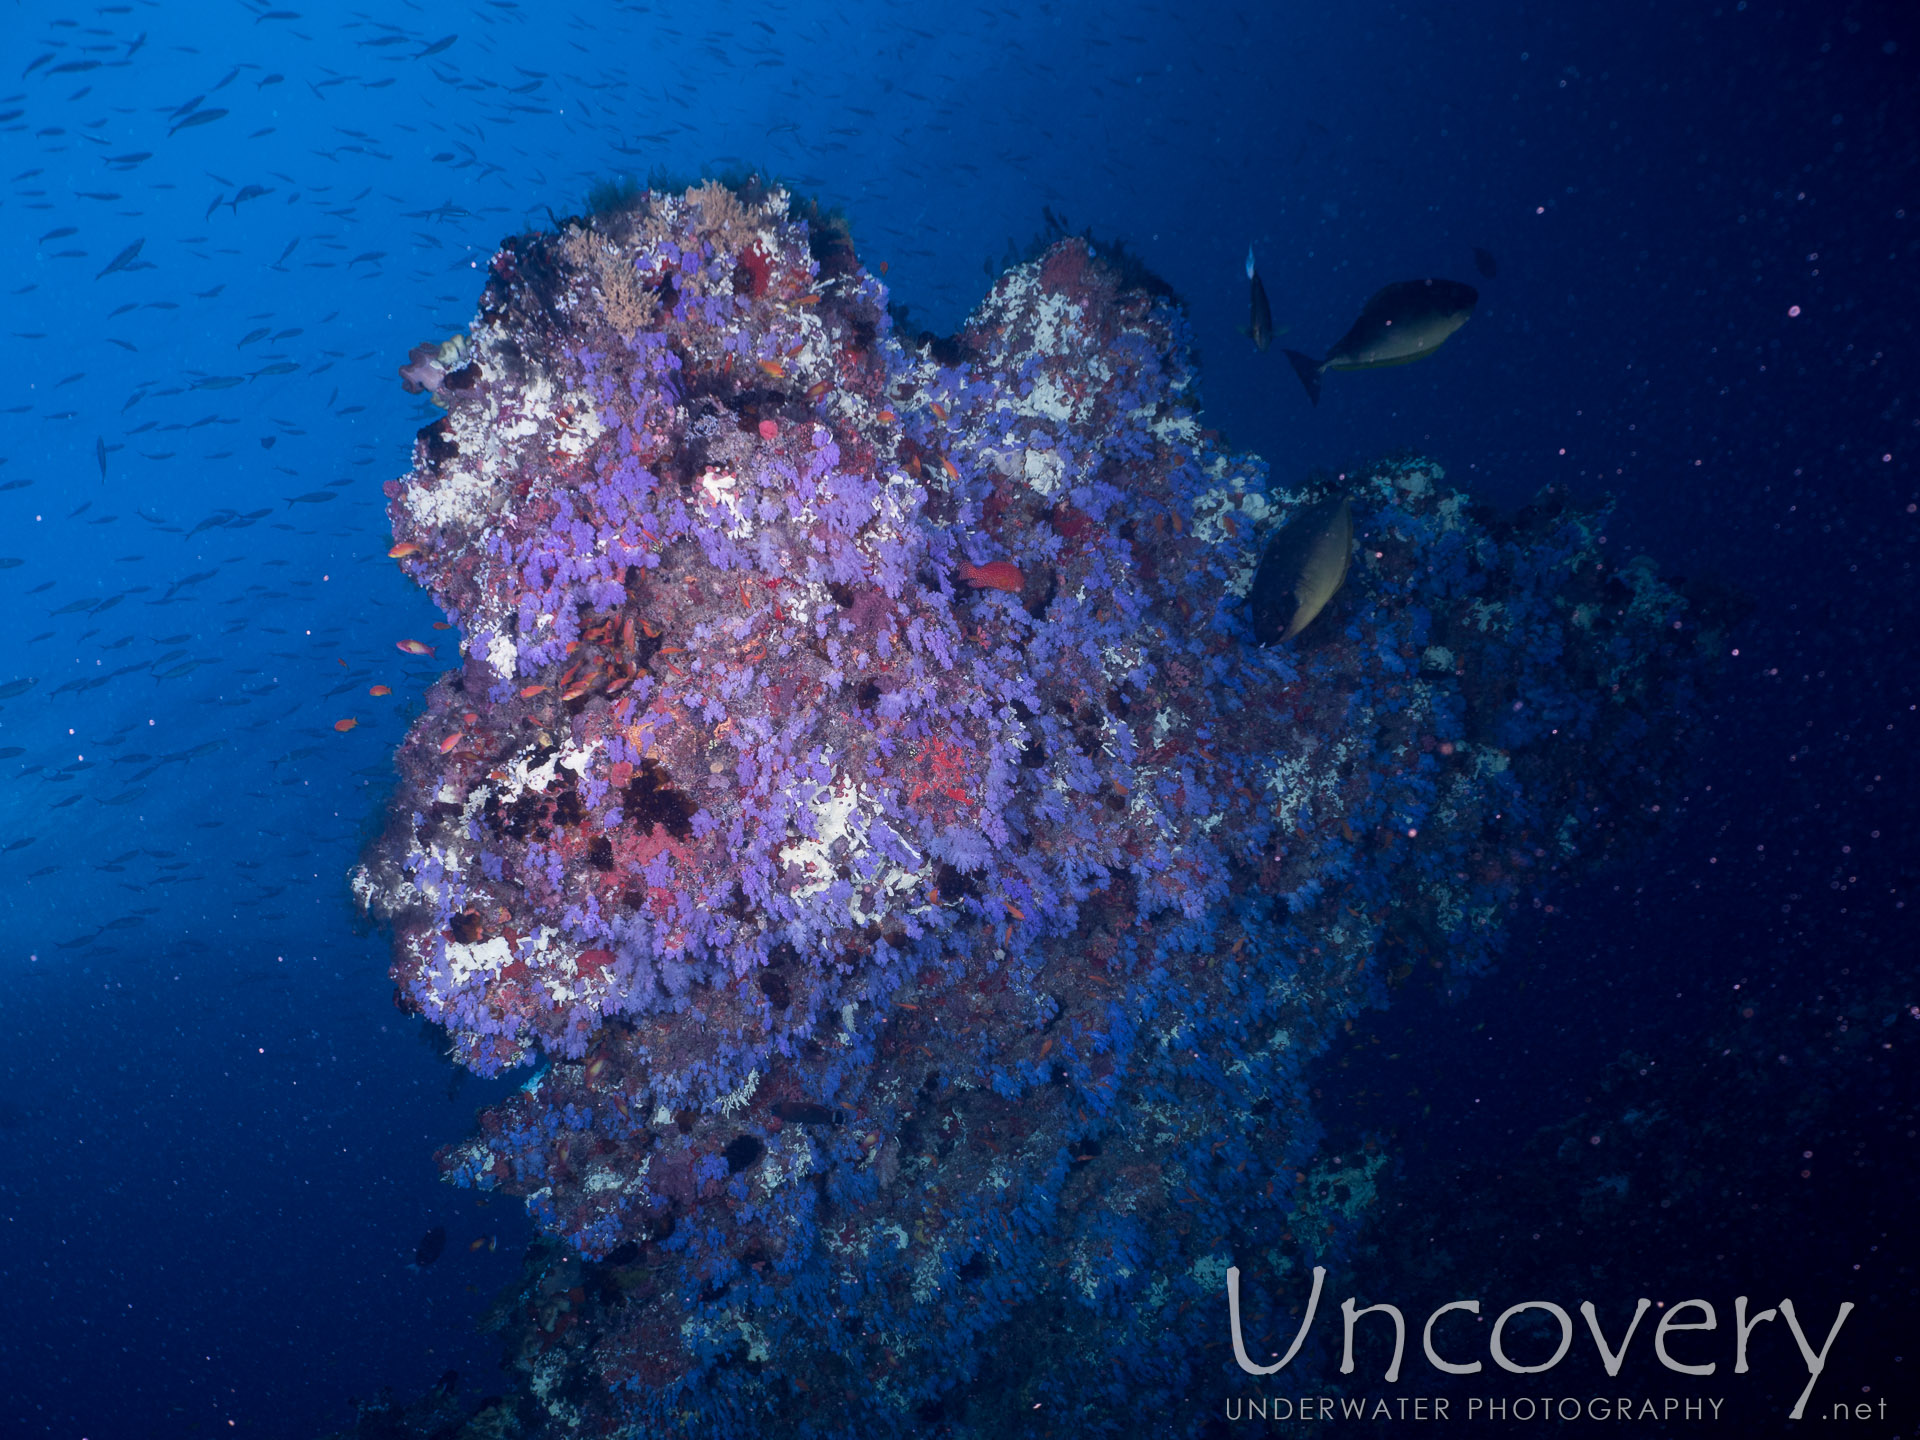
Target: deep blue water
{"points": [[217, 1133]]}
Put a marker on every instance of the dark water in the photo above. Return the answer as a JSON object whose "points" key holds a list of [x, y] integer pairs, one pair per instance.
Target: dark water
{"points": [[218, 1134]]}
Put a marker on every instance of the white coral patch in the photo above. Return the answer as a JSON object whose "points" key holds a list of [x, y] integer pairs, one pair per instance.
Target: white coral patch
{"points": [[1293, 782], [486, 957], [737, 1098], [577, 760], [578, 425], [1048, 399], [720, 491], [502, 657], [927, 1272], [1057, 324], [536, 404], [457, 497], [523, 775], [1232, 515], [789, 1158], [843, 816], [1045, 470], [1176, 429], [602, 1178], [836, 816], [1256, 507], [1229, 512], [1210, 1271], [1418, 480]]}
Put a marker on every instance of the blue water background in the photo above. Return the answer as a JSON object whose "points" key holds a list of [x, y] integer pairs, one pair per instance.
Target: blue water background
{"points": [[216, 1132]]}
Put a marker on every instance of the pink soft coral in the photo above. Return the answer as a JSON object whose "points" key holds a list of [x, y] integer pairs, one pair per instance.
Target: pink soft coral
{"points": [[423, 370]]}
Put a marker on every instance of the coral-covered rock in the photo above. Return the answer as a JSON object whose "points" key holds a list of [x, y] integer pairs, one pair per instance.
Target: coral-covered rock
{"points": [[864, 798]]}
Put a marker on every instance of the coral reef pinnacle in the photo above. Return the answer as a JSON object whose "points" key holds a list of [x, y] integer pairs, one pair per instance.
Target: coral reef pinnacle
{"points": [[906, 954]]}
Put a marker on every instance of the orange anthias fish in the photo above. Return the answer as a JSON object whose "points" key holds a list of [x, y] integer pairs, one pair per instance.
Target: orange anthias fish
{"points": [[413, 647], [402, 550], [345, 725], [380, 690], [994, 575], [448, 743]]}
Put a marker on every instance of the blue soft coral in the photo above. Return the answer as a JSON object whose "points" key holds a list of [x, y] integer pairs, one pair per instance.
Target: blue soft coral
{"points": [[908, 954]]}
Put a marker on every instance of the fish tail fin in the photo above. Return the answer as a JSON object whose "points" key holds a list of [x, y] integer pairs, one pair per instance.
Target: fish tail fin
{"points": [[1308, 369]]}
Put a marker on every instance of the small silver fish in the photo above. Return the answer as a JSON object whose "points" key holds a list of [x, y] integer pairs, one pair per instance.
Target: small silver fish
{"points": [[124, 259]]}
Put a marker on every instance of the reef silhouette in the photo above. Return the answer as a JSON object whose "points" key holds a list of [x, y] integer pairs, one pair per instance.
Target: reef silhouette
{"points": [[865, 799]]}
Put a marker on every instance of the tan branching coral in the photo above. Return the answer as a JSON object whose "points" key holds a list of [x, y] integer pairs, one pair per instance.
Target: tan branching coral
{"points": [[720, 210], [628, 306]]}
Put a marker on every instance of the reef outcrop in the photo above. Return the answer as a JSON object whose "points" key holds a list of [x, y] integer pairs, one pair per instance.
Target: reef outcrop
{"points": [[864, 800]]}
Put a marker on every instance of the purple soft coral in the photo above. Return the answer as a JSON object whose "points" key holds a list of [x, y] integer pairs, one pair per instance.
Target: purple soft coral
{"points": [[863, 910]]}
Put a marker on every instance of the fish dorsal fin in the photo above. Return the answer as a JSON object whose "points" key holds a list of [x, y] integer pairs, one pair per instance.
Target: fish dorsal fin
{"points": [[1395, 297]]}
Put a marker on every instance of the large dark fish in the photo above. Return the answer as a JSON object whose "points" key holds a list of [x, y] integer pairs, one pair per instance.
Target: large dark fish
{"points": [[1259, 313], [430, 1246], [1303, 567], [1404, 322]]}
